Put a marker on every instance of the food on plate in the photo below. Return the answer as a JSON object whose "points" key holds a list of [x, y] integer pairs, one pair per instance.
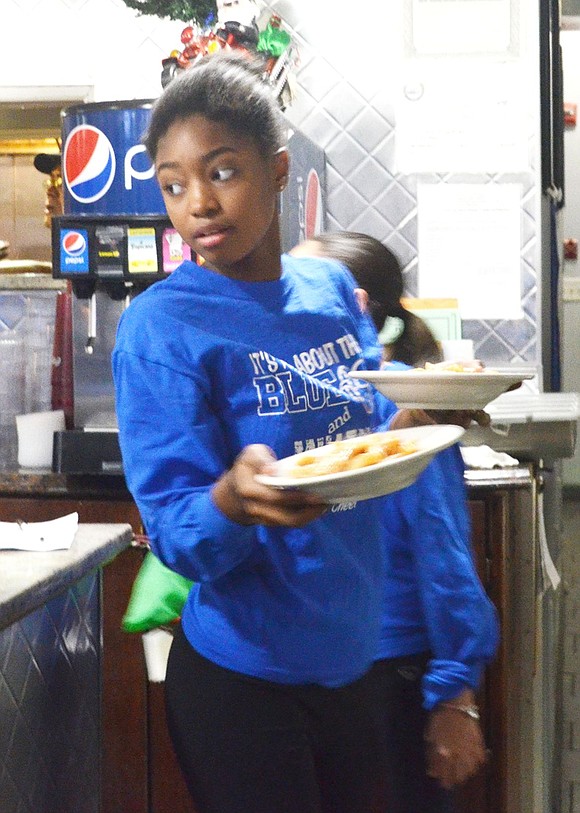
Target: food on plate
{"points": [[346, 455], [473, 366], [398, 457]]}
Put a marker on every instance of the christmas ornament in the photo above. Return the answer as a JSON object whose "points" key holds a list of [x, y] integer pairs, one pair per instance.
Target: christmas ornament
{"points": [[235, 27]]}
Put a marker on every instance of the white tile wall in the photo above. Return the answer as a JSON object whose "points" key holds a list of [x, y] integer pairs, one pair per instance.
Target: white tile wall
{"points": [[99, 43], [347, 86]]}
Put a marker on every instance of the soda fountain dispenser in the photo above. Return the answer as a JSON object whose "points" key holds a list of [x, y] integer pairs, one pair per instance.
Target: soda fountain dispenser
{"points": [[113, 240]]}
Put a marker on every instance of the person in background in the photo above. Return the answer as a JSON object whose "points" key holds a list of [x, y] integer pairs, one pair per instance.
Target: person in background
{"points": [[405, 337], [50, 165], [439, 628], [218, 369]]}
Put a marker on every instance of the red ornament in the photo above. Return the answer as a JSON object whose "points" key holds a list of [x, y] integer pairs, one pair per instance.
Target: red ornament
{"points": [[187, 35]]}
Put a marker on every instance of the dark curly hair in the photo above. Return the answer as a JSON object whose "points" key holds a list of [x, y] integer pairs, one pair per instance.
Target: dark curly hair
{"points": [[224, 87]]}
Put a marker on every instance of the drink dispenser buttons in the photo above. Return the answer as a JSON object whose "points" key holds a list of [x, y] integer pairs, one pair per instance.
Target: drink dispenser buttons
{"points": [[73, 252], [110, 250], [142, 251], [175, 251]]}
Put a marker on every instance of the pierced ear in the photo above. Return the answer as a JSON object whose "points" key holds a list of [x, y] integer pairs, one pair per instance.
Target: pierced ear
{"points": [[362, 299], [282, 168]]}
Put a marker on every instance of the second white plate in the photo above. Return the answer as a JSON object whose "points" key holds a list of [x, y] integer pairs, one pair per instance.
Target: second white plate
{"points": [[423, 389]]}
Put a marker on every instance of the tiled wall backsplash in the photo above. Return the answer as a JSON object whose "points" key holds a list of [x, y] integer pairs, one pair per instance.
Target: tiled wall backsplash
{"points": [[345, 102]]}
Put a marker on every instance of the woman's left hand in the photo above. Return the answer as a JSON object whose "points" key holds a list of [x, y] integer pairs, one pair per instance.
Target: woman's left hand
{"points": [[455, 746]]}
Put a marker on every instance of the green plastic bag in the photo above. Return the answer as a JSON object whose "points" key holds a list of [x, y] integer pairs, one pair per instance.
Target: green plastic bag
{"points": [[157, 596]]}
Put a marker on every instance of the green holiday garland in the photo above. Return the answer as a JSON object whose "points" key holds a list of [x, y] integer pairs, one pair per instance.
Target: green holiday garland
{"points": [[185, 10]]}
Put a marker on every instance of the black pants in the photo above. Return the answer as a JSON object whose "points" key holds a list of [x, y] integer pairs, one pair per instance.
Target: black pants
{"points": [[247, 745], [409, 789]]}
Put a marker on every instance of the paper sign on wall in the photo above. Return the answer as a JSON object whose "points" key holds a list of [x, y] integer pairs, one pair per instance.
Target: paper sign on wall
{"points": [[462, 116], [462, 26], [469, 243]]}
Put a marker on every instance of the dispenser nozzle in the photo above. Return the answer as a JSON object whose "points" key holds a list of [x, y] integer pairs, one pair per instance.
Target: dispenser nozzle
{"points": [[92, 324]]}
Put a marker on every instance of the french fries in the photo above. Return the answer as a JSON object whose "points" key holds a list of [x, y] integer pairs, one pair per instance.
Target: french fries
{"points": [[344, 455]]}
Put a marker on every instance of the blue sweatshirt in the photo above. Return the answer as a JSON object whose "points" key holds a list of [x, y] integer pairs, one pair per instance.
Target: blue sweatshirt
{"points": [[433, 597], [205, 365]]}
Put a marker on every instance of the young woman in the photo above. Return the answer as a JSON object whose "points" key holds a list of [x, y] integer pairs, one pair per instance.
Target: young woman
{"points": [[439, 629], [218, 369]]}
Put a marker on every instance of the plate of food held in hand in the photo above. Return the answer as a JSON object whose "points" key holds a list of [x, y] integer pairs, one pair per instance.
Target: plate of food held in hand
{"points": [[448, 385], [363, 467]]}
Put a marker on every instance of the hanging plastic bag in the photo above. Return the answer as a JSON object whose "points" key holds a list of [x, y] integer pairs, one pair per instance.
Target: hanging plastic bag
{"points": [[157, 596]]}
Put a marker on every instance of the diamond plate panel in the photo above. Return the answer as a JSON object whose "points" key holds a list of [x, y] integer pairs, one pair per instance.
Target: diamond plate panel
{"points": [[345, 154], [12, 310], [50, 706], [317, 78]]}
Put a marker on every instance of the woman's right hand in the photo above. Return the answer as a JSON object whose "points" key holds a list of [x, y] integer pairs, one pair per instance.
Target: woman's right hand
{"points": [[428, 417], [454, 743], [243, 499]]}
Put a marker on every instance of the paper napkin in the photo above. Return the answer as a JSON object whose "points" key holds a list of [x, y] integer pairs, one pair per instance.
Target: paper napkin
{"points": [[484, 457], [56, 534]]}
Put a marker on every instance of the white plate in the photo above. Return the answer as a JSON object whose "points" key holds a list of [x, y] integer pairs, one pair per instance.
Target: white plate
{"points": [[391, 474], [418, 389]]}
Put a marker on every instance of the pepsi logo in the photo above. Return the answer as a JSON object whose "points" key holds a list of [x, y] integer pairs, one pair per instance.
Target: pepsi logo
{"points": [[88, 163], [74, 243]]}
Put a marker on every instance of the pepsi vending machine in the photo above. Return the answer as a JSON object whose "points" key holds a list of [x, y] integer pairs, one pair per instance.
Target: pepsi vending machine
{"points": [[114, 239]]}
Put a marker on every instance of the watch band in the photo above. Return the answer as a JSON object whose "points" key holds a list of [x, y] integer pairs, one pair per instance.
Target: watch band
{"points": [[470, 711]]}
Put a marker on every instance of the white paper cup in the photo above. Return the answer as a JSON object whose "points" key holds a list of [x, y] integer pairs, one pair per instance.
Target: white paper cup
{"points": [[457, 349], [156, 645], [36, 437]]}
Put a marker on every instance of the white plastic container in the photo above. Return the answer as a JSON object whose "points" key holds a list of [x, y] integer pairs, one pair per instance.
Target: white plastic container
{"points": [[35, 432], [156, 645]]}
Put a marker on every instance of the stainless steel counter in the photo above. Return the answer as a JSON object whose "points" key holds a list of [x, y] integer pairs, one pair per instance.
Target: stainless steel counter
{"points": [[516, 477]]}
